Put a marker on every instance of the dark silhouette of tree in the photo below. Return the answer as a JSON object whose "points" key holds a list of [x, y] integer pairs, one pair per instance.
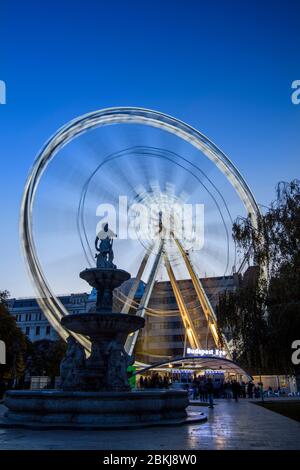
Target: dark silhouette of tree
{"points": [[45, 357], [16, 344], [241, 317], [263, 317]]}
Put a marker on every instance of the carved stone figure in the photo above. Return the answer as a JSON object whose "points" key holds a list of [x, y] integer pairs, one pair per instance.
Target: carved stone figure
{"points": [[104, 244], [73, 360], [118, 361]]}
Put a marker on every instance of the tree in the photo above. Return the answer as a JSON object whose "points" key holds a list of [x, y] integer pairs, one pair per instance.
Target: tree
{"points": [[267, 317], [241, 317], [15, 341], [45, 357]]}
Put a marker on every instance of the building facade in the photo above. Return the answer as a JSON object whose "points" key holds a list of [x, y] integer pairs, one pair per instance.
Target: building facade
{"points": [[164, 335], [32, 321]]}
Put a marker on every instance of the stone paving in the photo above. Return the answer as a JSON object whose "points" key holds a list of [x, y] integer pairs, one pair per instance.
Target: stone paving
{"points": [[230, 425]]}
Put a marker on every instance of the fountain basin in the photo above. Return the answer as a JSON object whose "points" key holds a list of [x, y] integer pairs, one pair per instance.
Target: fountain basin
{"points": [[108, 278], [103, 325], [52, 409]]}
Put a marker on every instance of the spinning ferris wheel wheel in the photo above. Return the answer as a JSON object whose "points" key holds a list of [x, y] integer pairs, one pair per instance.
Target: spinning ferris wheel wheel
{"points": [[169, 193]]}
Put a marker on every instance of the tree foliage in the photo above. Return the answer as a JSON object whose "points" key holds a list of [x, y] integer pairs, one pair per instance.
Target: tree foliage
{"points": [[275, 241], [15, 341], [45, 357], [38, 358], [241, 317], [263, 316]]}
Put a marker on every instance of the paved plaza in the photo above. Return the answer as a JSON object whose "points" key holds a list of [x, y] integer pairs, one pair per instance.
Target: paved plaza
{"points": [[230, 425]]}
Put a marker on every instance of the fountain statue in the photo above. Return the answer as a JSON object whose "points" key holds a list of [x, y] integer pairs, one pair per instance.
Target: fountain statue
{"points": [[95, 391], [104, 244]]}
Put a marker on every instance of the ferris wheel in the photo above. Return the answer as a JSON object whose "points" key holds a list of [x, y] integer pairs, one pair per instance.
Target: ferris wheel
{"points": [[168, 192]]}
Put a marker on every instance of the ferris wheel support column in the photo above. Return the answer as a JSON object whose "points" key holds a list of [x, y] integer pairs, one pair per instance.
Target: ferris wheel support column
{"points": [[131, 340], [203, 299], [134, 288], [185, 315]]}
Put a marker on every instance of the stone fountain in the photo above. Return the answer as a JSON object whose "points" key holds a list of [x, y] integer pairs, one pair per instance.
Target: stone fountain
{"points": [[95, 391]]}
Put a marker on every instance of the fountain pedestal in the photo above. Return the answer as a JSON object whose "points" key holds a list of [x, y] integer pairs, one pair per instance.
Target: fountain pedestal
{"points": [[106, 368]]}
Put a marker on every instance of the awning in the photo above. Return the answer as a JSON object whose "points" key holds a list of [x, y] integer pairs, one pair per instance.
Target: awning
{"points": [[200, 363]]}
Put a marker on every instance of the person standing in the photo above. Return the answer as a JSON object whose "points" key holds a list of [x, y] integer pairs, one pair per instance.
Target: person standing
{"points": [[236, 388], [228, 389], [256, 391], [195, 389], [201, 390], [243, 390], [210, 392], [141, 382], [250, 389]]}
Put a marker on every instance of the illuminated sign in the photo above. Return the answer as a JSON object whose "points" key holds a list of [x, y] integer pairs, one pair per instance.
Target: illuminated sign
{"points": [[212, 371], [206, 352], [193, 371]]}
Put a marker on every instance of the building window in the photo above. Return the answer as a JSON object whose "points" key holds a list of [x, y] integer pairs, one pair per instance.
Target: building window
{"points": [[27, 331], [47, 330], [37, 330]]}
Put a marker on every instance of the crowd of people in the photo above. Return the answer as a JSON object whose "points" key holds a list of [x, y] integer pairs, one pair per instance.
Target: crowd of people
{"points": [[225, 389], [203, 388], [155, 380]]}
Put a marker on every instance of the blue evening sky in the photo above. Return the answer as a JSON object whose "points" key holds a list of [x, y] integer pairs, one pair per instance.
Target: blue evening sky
{"points": [[226, 67]]}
